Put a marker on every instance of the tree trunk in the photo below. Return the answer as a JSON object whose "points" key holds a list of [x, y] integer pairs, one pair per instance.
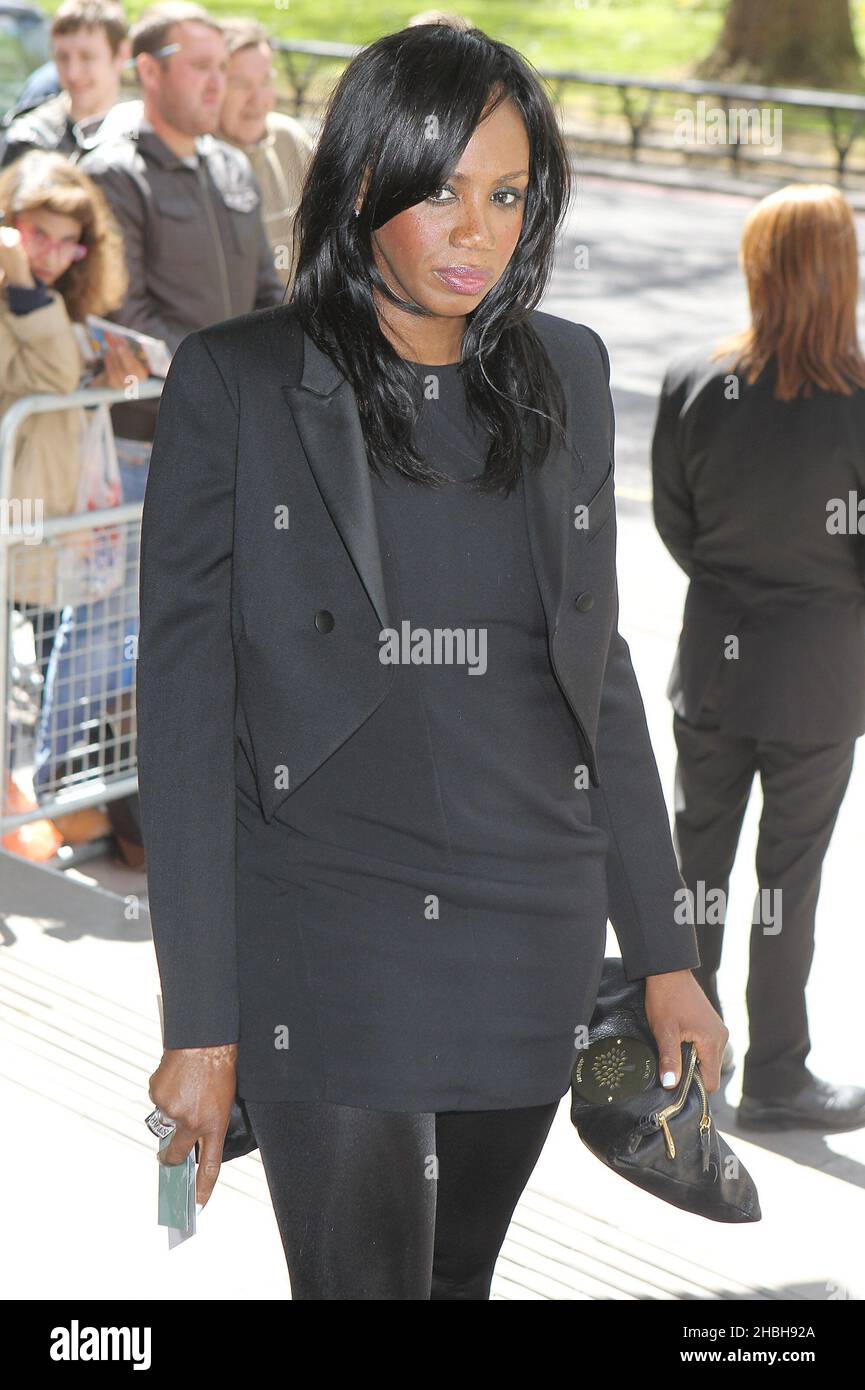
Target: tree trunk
{"points": [[786, 43]]}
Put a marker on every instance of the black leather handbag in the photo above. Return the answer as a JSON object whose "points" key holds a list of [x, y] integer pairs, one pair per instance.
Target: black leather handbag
{"points": [[665, 1142]]}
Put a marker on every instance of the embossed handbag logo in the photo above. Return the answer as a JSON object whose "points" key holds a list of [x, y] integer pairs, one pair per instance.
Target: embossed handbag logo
{"points": [[612, 1069]]}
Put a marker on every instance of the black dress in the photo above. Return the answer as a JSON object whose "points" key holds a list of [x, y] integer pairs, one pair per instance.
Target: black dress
{"points": [[421, 912]]}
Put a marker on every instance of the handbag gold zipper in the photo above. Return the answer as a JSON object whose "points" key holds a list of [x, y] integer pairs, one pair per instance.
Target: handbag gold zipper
{"points": [[705, 1122], [661, 1117]]}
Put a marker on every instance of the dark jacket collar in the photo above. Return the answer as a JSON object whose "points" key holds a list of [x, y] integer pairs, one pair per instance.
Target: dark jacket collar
{"points": [[324, 409]]}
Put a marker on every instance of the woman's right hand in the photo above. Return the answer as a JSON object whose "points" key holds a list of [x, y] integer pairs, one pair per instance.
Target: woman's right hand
{"points": [[194, 1087], [14, 262]]}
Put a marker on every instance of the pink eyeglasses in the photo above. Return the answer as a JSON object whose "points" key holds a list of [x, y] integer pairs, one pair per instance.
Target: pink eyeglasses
{"points": [[39, 241]]}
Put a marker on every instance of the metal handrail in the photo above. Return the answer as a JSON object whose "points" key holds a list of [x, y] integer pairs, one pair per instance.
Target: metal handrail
{"points": [[830, 103], [37, 404]]}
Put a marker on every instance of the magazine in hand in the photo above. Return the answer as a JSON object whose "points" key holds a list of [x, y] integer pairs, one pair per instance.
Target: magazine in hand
{"points": [[151, 352]]}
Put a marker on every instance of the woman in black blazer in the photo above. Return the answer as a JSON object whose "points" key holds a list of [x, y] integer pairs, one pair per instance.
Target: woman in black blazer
{"points": [[394, 766], [759, 465]]}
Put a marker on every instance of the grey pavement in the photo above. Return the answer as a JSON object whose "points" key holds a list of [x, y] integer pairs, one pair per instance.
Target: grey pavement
{"points": [[79, 1033]]}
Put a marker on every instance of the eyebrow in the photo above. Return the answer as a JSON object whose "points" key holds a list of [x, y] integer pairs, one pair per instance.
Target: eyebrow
{"points": [[515, 174]]}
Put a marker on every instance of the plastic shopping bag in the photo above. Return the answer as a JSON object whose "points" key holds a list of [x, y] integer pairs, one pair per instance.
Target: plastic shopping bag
{"points": [[91, 563]]}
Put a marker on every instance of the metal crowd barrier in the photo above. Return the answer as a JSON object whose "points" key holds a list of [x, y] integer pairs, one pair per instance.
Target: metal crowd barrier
{"points": [[68, 733], [644, 106]]}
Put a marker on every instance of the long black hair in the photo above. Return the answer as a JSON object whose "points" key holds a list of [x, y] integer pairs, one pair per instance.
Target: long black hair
{"points": [[378, 118]]}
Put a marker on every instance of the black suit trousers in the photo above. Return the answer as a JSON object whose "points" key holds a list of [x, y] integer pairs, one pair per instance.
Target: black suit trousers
{"points": [[803, 786]]}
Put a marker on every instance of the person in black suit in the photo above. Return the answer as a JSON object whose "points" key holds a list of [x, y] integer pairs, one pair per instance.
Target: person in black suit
{"points": [[758, 461], [394, 765]]}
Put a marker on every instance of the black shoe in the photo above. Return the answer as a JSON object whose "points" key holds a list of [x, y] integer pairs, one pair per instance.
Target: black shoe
{"points": [[728, 1061], [819, 1105]]}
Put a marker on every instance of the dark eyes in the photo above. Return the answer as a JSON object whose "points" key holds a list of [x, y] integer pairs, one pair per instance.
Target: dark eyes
{"points": [[512, 193]]}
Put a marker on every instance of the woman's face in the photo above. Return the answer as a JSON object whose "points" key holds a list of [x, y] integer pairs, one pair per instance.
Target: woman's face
{"points": [[447, 252], [49, 239]]}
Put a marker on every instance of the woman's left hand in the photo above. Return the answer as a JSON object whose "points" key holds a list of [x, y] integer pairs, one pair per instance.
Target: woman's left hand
{"points": [[678, 1011]]}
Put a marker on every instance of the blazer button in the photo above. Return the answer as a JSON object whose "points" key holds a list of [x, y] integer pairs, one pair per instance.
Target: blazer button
{"points": [[585, 601], [324, 620]]}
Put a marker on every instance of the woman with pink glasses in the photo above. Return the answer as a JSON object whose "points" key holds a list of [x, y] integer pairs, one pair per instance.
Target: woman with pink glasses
{"points": [[61, 258]]}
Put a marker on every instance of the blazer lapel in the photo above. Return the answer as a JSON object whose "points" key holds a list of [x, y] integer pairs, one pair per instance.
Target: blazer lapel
{"points": [[326, 415], [327, 420], [547, 492]]}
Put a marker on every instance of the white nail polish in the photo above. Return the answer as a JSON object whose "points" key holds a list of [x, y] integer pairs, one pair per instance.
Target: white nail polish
{"points": [[668, 1079]]}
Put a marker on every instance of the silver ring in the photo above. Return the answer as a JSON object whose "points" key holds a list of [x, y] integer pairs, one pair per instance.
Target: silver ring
{"points": [[159, 1124]]}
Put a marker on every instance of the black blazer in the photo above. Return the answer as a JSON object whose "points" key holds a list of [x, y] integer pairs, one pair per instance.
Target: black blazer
{"points": [[741, 488], [261, 641]]}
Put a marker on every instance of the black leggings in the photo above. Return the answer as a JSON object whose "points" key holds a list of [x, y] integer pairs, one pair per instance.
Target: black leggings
{"points": [[375, 1204]]}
